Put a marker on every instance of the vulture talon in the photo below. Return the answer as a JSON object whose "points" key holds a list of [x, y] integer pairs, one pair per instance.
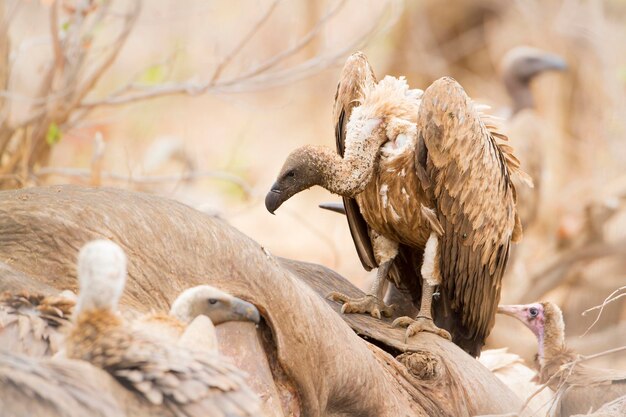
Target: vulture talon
{"points": [[368, 304], [420, 324]]}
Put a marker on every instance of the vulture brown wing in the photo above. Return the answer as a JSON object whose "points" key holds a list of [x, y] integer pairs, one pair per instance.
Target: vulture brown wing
{"points": [[52, 387], [32, 324], [467, 175], [355, 77], [187, 381]]}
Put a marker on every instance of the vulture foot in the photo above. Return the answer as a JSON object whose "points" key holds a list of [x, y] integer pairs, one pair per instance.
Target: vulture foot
{"points": [[368, 304], [420, 324]]}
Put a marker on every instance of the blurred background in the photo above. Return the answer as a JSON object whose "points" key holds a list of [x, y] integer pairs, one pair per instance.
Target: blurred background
{"points": [[201, 101]]}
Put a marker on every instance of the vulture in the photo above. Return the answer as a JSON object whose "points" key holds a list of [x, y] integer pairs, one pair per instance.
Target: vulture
{"points": [[428, 196], [33, 324], [579, 388], [45, 387], [519, 66], [188, 382], [204, 304], [524, 125]]}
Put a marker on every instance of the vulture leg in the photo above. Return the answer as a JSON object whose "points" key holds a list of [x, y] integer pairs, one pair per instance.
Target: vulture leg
{"points": [[373, 303], [431, 278]]}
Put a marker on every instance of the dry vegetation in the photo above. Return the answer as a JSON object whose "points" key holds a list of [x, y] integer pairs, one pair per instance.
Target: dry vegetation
{"points": [[99, 92]]}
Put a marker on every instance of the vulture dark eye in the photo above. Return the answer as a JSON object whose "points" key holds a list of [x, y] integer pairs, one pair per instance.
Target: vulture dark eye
{"points": [[533, 312], [212, 301]]}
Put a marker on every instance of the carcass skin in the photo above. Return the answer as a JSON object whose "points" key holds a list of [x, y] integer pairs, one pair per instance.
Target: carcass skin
{"points": [[317, 370]]}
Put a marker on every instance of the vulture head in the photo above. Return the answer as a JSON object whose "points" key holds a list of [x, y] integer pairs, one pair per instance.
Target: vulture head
{"points": [[299, 172], [101, 275], [217, 305], [544, 319], [520, 65], [523, 63]]}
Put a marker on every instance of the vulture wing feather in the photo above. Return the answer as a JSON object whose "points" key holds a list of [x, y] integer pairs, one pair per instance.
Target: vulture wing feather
{"points": [[356, 76], [474, 200], [184, 378]]}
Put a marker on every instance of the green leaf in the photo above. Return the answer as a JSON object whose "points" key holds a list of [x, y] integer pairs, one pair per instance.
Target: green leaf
{"points": [[54, 135], [153, 75]]}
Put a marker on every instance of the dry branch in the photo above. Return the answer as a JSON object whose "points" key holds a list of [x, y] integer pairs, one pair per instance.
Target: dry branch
{"points": [[62, 102], [87, 175], [612, 297], [255, 78]]}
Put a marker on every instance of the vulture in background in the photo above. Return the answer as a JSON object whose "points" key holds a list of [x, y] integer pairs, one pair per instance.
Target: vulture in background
{"points": [[33, 324], [428, 196], [202, 306], [579, 388], [188, 382], [524, 126]]}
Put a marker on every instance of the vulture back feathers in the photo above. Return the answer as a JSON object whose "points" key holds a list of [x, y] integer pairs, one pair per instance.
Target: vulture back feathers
{"points": [[32, 324]]}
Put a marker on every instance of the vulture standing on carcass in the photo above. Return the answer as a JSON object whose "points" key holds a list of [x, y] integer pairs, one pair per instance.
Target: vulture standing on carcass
{"points": [[428, 196], [579, 388], [524, 125], [201, 304], [189, 382], [33, 324]]}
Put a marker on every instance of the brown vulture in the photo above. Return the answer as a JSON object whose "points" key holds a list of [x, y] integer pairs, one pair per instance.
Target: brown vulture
{"points": [[428, 197], [579, 388], [33, 324], [189, 382]]}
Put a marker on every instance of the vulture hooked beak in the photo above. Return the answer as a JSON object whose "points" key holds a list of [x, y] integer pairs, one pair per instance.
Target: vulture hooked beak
{"points": [[553, 62], [274, 199], [243, 311], [516, 311]]}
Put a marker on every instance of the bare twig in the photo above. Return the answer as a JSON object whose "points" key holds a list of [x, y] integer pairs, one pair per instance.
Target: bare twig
{"points": [[597, 355], [91, 81], [256, 77], [606, 301], [250, 35], [304, 41], [148, 179]]}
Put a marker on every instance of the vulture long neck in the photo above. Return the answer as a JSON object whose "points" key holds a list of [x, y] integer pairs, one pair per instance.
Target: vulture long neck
{"points": [[552, 349], [551, 343], [348, 176], [520, 93]]}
